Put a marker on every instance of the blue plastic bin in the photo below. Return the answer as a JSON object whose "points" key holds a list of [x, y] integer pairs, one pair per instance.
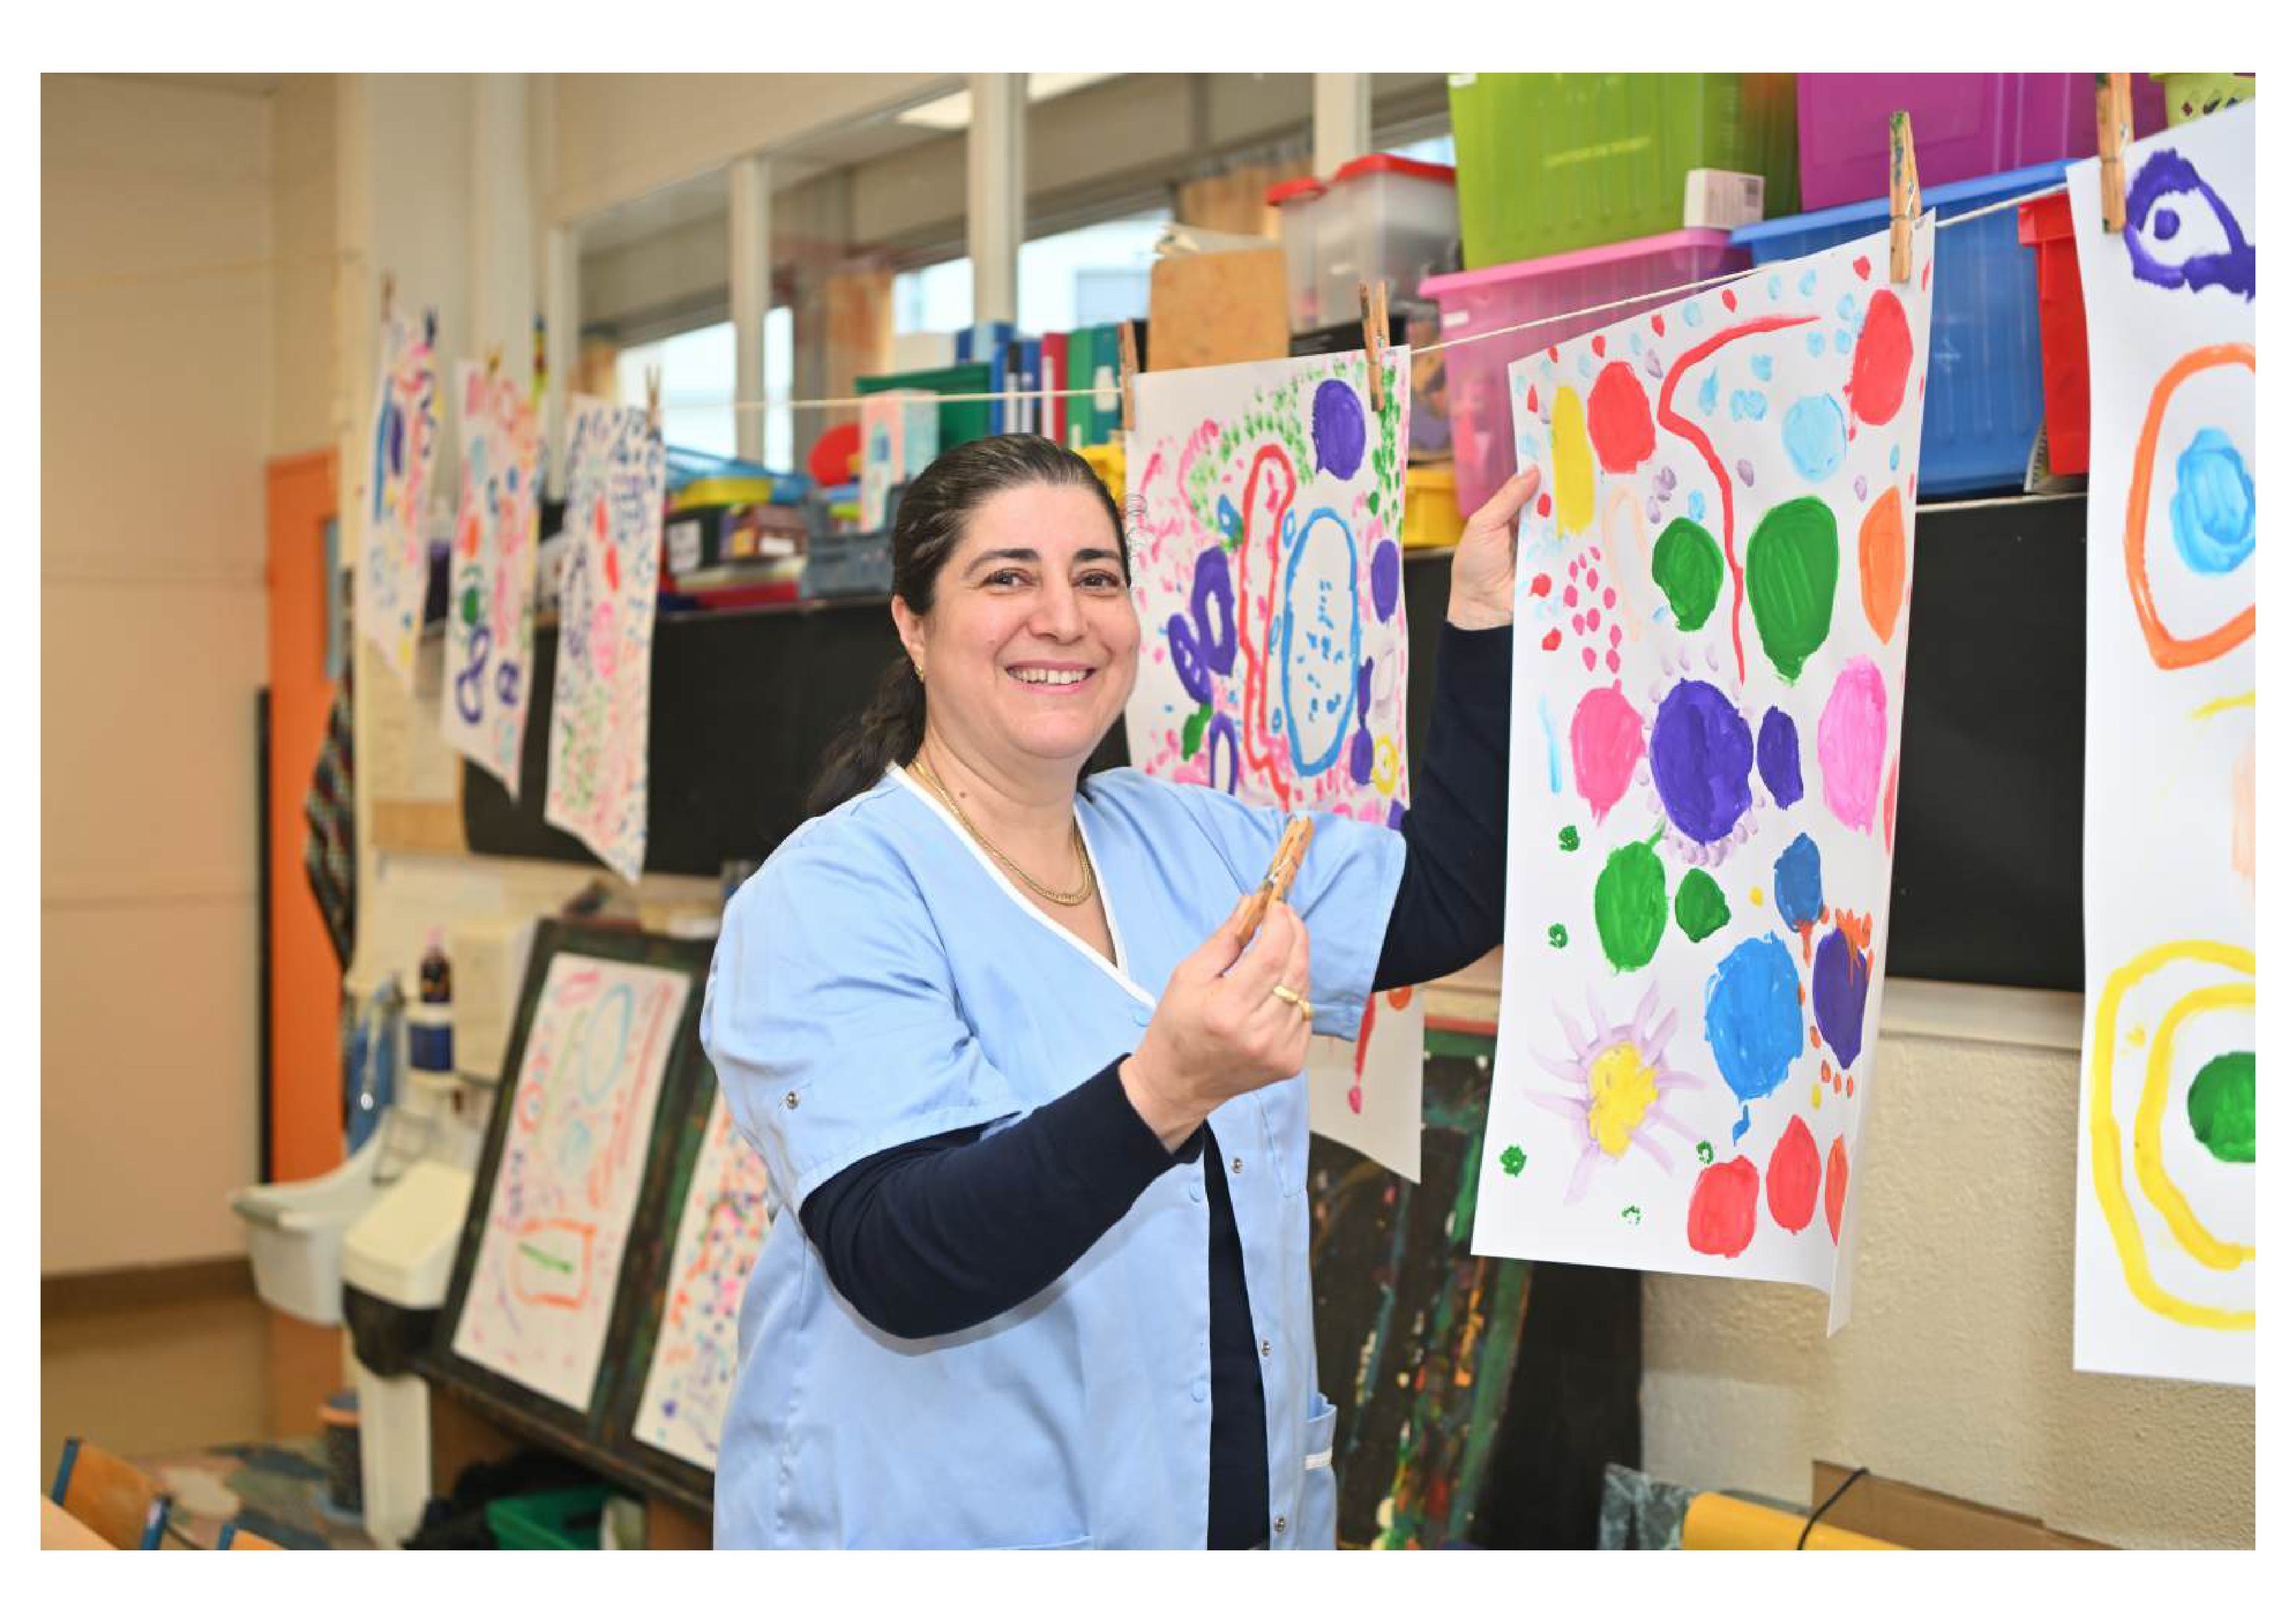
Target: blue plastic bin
{"points": [[1983, 407]]}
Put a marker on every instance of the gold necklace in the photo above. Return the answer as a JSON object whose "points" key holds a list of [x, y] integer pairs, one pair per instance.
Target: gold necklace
{"points": [[1059, 898]]}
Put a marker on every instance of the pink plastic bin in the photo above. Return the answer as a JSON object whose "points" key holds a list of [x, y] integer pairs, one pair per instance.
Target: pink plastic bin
{"points": [[1965, 125], [1482, 424]]}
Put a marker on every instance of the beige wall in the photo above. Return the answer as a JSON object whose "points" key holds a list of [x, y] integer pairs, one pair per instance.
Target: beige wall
{"points": [[1956, 1371], [156, 384]]}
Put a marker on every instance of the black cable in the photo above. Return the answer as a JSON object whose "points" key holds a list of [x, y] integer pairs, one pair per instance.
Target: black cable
{"points": [[1814, 1516]]}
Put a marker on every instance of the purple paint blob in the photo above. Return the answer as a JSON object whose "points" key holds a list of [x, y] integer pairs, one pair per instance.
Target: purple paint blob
{"points": [[1745, 472], [2169, 173], [1395, 816], [1359, 758], [1386, 578], [1701, 753], [1838, 983], [1222, 731], [1778, 752], [1214, 589], [1339, 427], [1188, 660]]}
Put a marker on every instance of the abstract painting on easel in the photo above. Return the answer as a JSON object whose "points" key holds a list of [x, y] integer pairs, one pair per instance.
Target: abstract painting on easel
{"points": [[1266, 511], [1709, 671], [2165, 1235]]}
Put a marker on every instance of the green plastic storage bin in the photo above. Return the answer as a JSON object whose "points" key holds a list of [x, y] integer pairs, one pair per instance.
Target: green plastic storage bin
{"points": [[564, 1519], [1550, 162]]}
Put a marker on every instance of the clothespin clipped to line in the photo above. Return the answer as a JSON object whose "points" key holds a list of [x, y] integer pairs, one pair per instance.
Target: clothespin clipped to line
{"points": [[2114, 115], [1128, 360], [1374, 323], [390, 293], [1905, 196], [494, 362], [654, 398]]}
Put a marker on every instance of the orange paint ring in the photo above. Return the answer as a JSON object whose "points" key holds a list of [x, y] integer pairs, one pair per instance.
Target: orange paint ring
{"points": [[2170, 651]]}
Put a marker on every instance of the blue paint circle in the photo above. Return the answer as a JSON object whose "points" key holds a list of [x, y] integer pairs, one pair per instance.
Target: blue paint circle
{"points": [[1817, 435], [1339, 428], [1701, 753], [2213, 513], [1753, 1017], [1800, 881]]}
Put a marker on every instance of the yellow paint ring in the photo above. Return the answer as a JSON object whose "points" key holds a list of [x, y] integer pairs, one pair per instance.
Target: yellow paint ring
{"points": [[2104, 1135], [1387, 767], [2152, 1174]]}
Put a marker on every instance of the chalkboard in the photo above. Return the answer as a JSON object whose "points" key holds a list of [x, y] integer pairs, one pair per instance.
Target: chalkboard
{"points": [[1988, 874]]}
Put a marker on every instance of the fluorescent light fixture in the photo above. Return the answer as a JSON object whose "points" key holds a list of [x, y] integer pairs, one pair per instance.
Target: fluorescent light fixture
{"points": [[956, 111]]}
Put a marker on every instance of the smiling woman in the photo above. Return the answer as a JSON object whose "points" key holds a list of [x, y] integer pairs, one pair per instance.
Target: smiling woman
{"points": [[1031, 1084]]}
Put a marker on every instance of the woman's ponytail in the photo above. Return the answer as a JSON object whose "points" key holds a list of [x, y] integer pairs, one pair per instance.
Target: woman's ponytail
{"points": [[888, 731]]}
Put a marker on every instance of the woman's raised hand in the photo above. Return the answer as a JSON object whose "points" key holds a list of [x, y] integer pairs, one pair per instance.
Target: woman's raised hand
{"points": [[1223, 1027]]}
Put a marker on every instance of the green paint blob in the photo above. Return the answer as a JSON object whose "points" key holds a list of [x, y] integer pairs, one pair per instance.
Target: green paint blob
{"points": [[473, 610], [1792, 564], [1192, 731], [1512, 1161], [1630, 906], [1687, 566], [1698, 905], [1632, 1215], [1569, 837], [2221, 1106], [1556, 936], [1705, 1153]]}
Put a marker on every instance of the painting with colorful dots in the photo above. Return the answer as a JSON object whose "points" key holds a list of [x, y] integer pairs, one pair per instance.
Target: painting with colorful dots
{"points": [[720, 1231], [483, 703], [2165, 1232], [402, 456], [1709, 677], [1265, 506], [599, 711]]}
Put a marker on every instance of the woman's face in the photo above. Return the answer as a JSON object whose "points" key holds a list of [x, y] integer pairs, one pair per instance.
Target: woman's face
{"points": [[1031, 648]]}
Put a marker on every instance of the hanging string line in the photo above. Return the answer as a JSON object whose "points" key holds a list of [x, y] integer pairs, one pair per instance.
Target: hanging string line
{"points": [[1654, 296]]}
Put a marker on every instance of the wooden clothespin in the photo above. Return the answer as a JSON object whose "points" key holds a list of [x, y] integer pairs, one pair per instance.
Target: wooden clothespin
{"points": [[494, 362], [1905, 196], [1374, 324], [1128, 360], [2113, 118], [390, 293], [653, 396]]}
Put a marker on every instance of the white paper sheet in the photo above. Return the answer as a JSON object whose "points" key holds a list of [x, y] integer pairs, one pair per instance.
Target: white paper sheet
{"points": [[720, 1232], [2165, 1247], [900, 435], [1266, 507], [598, 717], [559, 1218], [491, 575], [402, 452], [1709, 675]]}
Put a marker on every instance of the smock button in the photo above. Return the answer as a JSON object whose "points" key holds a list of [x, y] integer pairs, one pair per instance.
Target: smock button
{"points": [[1267, 1349], [1236, 1166], [1196, 1192], [1280, 1524], [1199, 1391], [789, 1099], [1140, 1018]]}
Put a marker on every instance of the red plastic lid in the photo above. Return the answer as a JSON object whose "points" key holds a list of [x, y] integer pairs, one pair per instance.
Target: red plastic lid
{"points": [[1388, 163], [2045, 219], [1284, 191]]}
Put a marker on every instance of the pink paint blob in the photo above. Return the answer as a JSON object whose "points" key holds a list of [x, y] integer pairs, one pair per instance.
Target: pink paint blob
{"points": [[1606, 744], [1853, 734]]}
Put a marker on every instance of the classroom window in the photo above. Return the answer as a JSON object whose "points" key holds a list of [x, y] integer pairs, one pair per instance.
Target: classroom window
{"points": [[698, 391], [1071, 278]]}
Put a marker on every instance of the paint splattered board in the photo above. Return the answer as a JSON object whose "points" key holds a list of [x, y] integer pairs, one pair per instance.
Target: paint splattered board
{"points": [[1479, 1397], [721, 1227], [600, 712], [2165, 1235], [491, 575], [600, 1054], [1265, 504], [1709, 666], [402, 454]]}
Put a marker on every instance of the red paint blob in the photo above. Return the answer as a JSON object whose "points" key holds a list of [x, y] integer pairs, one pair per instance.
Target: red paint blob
{"points": [[1587, 655], [1613, 658], [1729, 299], [613, 571], [1541, 585], [1890, 810], [1578, 624], [1722, 1208], [1598, 349], [1658, 326], [1837, 1183], [1593, 619], [1530, 399], [1553, 640], [1610, 597], [1792, 1182], [1545, 505], [1571, 597], [1863, 265], [1884, 358], [1553, 354]]}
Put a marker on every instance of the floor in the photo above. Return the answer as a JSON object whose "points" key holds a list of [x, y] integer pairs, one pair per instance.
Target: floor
{"points": [[182, 1372]]}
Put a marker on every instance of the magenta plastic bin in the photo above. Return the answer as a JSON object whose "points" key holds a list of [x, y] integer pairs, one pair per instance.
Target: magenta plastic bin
{"points": [[1965, 125], [1482, 425]]}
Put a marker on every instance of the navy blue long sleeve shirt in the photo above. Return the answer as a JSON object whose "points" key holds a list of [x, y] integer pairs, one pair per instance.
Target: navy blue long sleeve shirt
{"points": [[944, 1233]]}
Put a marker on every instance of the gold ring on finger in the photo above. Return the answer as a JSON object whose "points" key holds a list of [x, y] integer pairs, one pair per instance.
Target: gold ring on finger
{"points": [[1279, 990]]}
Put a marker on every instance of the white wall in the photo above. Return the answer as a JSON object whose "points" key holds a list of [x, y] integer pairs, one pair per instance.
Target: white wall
{"points": [[156, 388], [1956, 1371]]}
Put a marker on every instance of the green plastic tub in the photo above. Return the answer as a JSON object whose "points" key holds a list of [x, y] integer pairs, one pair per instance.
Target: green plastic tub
{"points": [[564, 1519], [1550, 162]]}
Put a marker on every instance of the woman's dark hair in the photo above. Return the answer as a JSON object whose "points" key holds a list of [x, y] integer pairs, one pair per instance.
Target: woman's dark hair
{"points": [[932, 516]]}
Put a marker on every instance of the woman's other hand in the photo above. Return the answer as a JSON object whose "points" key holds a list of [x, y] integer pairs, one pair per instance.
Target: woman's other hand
{"points": [[1221, 1029], [1482, 571]]}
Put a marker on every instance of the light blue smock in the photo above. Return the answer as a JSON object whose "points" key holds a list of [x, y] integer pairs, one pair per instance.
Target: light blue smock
{"points": [[880, 980]]}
